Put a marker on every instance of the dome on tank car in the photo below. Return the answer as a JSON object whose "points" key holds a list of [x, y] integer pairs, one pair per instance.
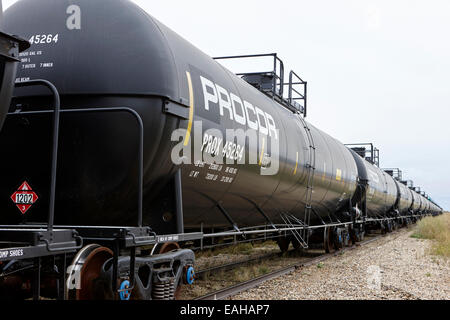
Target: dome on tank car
{"points": [[93, 47]]}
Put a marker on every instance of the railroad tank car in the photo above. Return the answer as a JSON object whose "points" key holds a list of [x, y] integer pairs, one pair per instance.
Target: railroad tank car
{"points": [[417, 201], [428, 205], [124, 80], [422, 203], [391, 193], [405, 198], [95, 62], [381, 193], [431, 206]]}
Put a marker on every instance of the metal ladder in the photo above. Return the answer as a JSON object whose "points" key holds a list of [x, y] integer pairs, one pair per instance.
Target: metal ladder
{"points": [[311, 167], [294, 223]]}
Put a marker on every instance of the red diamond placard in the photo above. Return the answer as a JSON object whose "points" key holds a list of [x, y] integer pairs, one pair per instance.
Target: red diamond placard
{"points": [[24, 197]]}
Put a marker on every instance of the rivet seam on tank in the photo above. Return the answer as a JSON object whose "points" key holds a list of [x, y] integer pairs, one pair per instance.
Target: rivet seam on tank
{"points": [[262, 151], [296, 164], [338, 174], [191, 109]]}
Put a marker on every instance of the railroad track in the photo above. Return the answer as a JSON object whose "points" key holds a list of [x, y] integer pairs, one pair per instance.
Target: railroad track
{"points": [[233, 265], [252, 283]]}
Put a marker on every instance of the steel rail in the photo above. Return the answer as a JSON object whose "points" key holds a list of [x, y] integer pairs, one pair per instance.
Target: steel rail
{"points": [[232, 265], [252, 283]]}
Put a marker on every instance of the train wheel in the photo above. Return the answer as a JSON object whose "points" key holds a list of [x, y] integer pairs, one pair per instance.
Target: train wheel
{"points": [[283, 244], [296, 244], [85, 271], [362, 233], [353, 236], [394, 225], [329, 242], [383, 226], [406, 222], [167, 247]]}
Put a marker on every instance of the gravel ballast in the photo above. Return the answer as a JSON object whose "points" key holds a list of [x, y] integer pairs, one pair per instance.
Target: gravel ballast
{"points": [[393, 267]]}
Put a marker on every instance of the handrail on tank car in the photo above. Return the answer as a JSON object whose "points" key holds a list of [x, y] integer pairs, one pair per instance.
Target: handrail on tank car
{"points": [[374, 152], [57, 107], [140, 152], [396, 173], [278, 81], [276, 77], [291, 84]]}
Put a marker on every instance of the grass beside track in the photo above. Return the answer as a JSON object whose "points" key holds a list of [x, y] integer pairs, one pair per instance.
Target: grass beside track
{"points": [[436, 229], [241, 248]]}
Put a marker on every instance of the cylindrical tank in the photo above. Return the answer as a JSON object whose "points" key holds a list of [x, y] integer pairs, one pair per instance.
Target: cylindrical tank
{"points": [[417, 204], [392, 195], [381, 193], [406, 199], [428, 206], [110, 53]]}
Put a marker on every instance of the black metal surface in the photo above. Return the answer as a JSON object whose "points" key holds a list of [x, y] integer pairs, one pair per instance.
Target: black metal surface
{"points": [[54, 162], [162, 268], [179, 202], [10, 46], [382, 193], [20, 242], [140, 151]]}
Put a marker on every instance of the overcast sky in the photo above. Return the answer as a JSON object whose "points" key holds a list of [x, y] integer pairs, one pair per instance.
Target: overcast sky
{"points": [[378, 71]]}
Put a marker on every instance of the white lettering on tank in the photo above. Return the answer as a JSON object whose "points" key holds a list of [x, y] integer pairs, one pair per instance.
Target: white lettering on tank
{"points": [[262, 115], [252, 124], [240, 118], [237, 109], [272, 127], [224, 101], [209, 97]]}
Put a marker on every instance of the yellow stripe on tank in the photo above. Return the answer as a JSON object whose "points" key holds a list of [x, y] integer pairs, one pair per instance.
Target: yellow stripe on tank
{"points": [[338, 174], [191, 109], [296, 165], [262, 151]]}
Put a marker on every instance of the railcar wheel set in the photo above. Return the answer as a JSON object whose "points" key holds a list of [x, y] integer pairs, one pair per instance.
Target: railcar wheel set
{"points": [[103, 111]]}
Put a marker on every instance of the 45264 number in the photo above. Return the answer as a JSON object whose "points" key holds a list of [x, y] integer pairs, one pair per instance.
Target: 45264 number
{"points": [[44, 39]]}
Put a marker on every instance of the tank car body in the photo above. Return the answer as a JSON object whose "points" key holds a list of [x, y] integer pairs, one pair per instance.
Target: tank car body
{"points": [[10, 46], [217, 153], [96, 62], [418, 202], [381, 193], [405, 198]]}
